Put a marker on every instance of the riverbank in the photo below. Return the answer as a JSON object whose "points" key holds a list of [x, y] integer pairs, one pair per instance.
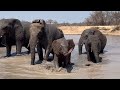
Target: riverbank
{"points": [[75, 30]]}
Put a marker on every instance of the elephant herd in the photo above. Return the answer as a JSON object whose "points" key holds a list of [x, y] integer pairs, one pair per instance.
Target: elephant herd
{"points": [[40, 35]]}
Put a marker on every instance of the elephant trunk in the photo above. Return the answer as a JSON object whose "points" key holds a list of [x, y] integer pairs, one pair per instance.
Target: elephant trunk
{"points": [[97, 57], [33, 43], [95, 51], [80, 44]]}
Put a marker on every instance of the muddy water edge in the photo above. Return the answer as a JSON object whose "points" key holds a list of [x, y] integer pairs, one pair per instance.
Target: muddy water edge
{"points": [[18, 67]]}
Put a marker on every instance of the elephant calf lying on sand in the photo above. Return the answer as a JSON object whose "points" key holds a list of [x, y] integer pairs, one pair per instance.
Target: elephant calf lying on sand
{"points": [[62, 49], [93, 47]]}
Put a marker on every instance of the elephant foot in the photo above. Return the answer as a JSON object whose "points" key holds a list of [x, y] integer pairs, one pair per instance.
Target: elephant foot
{"points": [[39, 62], [100, 59], [32, 63], [80, 53], [8, 55], [85, 53], [28, 52], [89, 60], [87, 64], [18, 54]]}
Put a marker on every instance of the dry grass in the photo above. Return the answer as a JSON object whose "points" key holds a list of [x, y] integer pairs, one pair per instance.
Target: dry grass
{"points": [[79, 29]]}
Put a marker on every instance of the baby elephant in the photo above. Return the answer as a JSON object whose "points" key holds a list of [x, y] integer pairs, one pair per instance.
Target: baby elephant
{"points": [[62, 49], [93, 47]]}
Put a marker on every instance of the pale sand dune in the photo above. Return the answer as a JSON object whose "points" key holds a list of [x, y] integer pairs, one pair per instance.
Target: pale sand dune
{"points": [[79, 29]]}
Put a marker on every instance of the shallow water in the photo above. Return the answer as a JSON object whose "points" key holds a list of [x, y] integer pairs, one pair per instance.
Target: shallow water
{"points": [[18, 67]]}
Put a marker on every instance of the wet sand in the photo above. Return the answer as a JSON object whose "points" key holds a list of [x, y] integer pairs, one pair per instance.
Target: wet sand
{"points": [[18, 67]]}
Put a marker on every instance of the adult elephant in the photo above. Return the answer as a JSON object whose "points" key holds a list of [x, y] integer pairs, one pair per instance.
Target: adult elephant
{"points": [[42, 35], [12, 33], [93, 47], [91, 31]]}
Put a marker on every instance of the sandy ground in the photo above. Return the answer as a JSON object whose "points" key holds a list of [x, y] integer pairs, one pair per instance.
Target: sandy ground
{"points": [[79, 29]]}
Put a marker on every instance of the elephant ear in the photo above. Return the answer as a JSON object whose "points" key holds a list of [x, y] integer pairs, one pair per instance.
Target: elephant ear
{"points": [[56, 47], [71, 44], [16, 23]]}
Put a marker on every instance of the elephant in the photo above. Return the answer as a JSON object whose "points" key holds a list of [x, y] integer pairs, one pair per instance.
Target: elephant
{"points": [[91, 31], [12, 33], [93, 47], [42, 35], [62, 49]]}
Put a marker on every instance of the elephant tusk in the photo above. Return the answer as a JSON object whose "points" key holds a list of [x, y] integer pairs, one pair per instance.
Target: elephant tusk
{"points": [[69, 52], [1, 36]]}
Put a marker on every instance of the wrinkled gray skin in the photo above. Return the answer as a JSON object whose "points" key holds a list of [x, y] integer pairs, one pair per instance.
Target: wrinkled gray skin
{"points": [[62, 49], [42, 36], [93, 47], [85, 35], [12, 33]]}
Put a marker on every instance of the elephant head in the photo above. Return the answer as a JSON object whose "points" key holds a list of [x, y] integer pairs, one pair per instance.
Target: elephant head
{"points": [[8, 26], [84, 37], [4, 27], [60, 46], [93, 46]]}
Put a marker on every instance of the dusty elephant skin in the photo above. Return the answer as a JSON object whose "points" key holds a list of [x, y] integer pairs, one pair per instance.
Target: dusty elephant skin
{"points": [[93, 47], [62, 49], [12, 32], [42, 36], [91, 31]]}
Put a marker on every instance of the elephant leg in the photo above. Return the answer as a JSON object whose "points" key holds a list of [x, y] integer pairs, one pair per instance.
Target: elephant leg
{"points": [[88, 56], [101, 51], [97, 58], [33, 57], [8, 47], [65, 62], [18, 47], [69, 57], [40, 52], [28, 49], [88, 49], [56, 64], [47, 52], [52, 54], [80, 49]]}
